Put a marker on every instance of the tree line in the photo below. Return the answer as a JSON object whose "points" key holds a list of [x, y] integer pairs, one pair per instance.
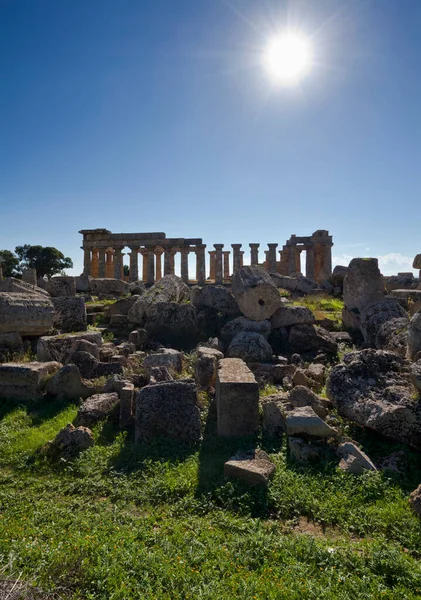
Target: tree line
{"points": [[46, 260]]}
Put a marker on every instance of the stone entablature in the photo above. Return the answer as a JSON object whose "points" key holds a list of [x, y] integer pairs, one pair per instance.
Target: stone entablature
{"points": [[103, 256]]}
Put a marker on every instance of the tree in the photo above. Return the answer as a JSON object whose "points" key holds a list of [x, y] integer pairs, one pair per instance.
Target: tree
{"points": [[45, 260], [126, 270], [9, 263]]}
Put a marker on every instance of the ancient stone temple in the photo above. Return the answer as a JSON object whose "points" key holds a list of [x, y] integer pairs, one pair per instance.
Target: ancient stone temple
{"points": [[103, 256]]}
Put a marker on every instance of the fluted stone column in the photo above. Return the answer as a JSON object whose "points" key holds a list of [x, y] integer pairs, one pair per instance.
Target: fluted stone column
{"points": [[212, 265], [94, 263], [266, 263], [144, 253], [118, 263], [254, 254], [291, 260], [185, 264], [101, 262], [109, 264], [134, 264], [218, 264], [241, 258], [310, 263], [172, 260], [158, 262], [272, 258], [236, 257], [226, 255], [151, 266], [201, 264], [167, 261], [86, 261]]}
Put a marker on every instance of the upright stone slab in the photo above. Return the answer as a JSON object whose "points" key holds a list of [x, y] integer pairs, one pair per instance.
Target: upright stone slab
{"points": [[363, 284], [237, 399], [70, 314]]}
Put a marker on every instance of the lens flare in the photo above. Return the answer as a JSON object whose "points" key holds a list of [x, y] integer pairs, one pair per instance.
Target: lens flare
{"points": [[288, 58]]}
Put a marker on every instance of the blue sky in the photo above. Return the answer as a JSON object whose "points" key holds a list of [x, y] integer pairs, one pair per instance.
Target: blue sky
{"points": [[159, 116]]}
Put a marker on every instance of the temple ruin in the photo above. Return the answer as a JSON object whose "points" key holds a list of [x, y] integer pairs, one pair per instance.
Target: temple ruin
{"points": [[103, 256]]}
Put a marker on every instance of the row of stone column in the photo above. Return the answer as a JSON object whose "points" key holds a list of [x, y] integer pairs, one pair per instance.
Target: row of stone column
{"points": [[107, 262]]}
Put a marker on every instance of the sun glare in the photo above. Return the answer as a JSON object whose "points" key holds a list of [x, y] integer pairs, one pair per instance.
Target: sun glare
{"points": [[288, 58]]}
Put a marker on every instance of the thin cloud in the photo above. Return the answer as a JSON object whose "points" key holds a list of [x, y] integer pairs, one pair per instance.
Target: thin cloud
{"points": [[389, 264]]}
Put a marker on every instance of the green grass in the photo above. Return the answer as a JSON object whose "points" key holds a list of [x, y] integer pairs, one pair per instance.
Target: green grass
{"points": [[127, 522], [324, 306]]}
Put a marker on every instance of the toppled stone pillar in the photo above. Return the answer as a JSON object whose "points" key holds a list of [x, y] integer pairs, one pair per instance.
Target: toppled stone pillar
{"points": [[212, 265], [237, 399], [226, 264], [272, 258], [256, 294], [236, 257], [134, 265], [86, 261], [118, 263], [185, 264], [29, 276], [254, 254], [218, 263], [200, 264]]}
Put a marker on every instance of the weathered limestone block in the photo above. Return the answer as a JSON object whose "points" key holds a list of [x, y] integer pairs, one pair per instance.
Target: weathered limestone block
{"points": [[273, 420], [109, 287], [415, 498], [250, 347], [67, 383], [59, 286], [305, 422], [298, 284], [363, 285], [27, 314], [338, 275], [216, 297], [373, 388], [393, 335], [172, 359], [286, 316], [374, 315], [69, 442], [29, 276], [97, 408], [168, 409], [256, 294], [178, 325], [58, 347], [70, 314], [83, 283], [206, 366], [354, 460], [414, 335], [301, 396], [17, 286], [170, 289], [25, 381], [254, 467], [309, 338], [400, 282], [121, 306], [81, 345], [304, 451], [416, 374], [237, 399], [417, 262], [241, 325]]}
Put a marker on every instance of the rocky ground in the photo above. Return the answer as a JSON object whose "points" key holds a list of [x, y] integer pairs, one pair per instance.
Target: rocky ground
{"points": [[268, 375]]}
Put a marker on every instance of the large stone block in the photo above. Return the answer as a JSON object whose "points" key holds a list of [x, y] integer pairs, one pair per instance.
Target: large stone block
{"points": [[363, 284], [286, 316], [206, 366], [27, 314], [256, 294], [216, 297], [70, 314], [414, 335], [168, 409], [109, 287], [59, 347], [237, 399], [17, 286], [59, 286], [25, 381]]}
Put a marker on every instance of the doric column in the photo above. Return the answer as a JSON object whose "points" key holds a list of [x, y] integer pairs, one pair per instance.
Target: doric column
{"points": [[144, 254], [297, 260], [272, 258], [236, 257], [151, 266], [134, 264], [94, 263], [254, 254], [101, 262], [109, 266], [118, 263], [283, 261], [226, 255], [158, 261], [86, 261], [266, 263], [172, 260], [241, 258], [185, 264], [218, 264], [200, 264], [310, 262], [291, 260], [212, 265], [167, 261]]}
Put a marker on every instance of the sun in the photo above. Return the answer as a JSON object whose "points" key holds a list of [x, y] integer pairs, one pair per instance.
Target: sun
{"points": [[288, 58]]}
